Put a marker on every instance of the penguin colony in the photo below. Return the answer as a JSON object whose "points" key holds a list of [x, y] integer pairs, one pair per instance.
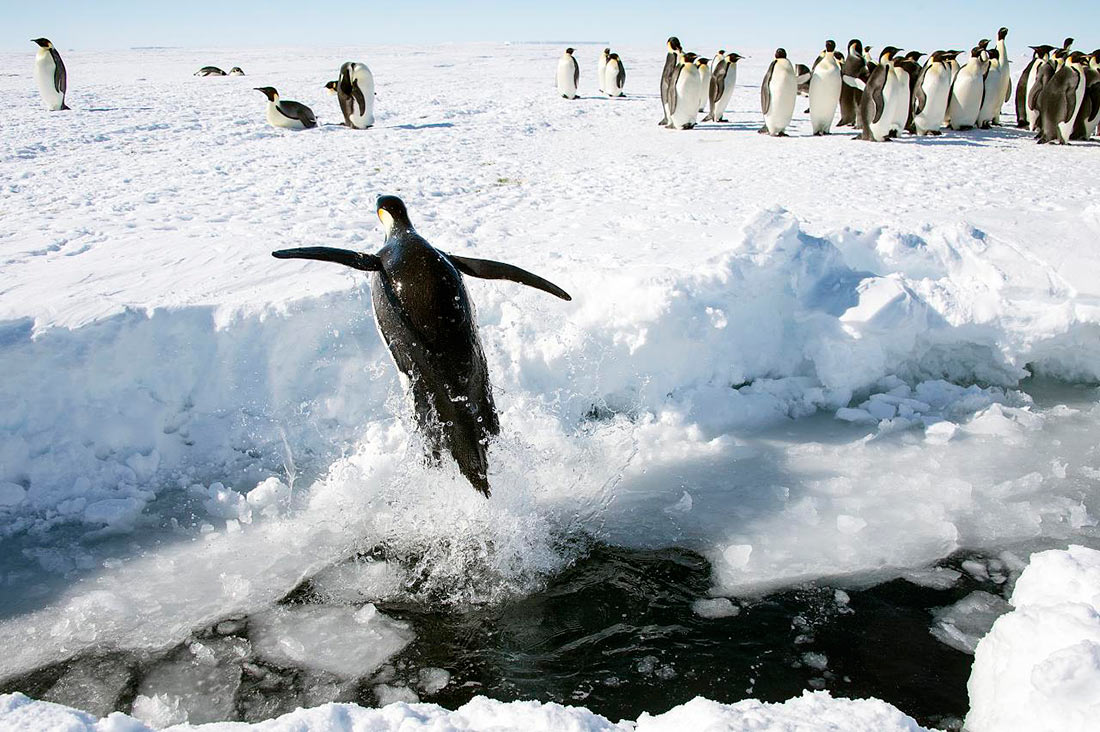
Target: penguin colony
{"points": [[1057, 96], [423, 311]]}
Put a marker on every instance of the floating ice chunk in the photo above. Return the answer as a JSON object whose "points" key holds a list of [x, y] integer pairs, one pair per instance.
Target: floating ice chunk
{"points": [[879, 409], [848, 414], [226, 503], [940, 432], [963, 624], [117, 514], [93, 685], [1038, 669], [200, 683], [818, 661], [716, 607], [357, 581], [271, 497], [433, 680], [387, 694], [159, 710], [343, 641], [12, 494], [936, 578]]}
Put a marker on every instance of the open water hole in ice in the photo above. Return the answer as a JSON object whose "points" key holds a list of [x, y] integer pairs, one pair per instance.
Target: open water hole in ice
{"points": [[620, 630]]}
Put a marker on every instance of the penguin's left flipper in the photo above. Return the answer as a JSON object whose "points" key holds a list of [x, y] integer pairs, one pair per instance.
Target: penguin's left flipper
{"points": [[348, 258], [487, 269]]}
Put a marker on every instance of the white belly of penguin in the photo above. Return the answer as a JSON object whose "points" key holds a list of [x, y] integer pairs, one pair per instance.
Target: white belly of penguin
{"points": [[277, 119], [727, 92], [1066, 128], [689, 89], [901, 99], [966, 99], [937, 87], [44, 69], [994, 99], [566, 85], [363, 78], [783, 90], [825, 87], [611, 80]]}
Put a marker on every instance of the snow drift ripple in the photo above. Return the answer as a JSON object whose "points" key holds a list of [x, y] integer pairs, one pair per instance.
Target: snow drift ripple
{"points": [[648, 398]]}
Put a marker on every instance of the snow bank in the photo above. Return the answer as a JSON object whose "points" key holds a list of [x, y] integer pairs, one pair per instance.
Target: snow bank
{"points": [[812, 712], [1038, 669]]}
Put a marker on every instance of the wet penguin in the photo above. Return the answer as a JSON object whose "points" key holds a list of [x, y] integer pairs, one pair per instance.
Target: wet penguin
{"points": [[50, 75], [825, 88], [285, 114], [354, 89], [673, 58], [569, 73], [614, 76], [930, 96], [967, 91], [854, 67], [1061, 100], [427, 320], [777, 95], [723, 78], [210, 71], [687, 91]]}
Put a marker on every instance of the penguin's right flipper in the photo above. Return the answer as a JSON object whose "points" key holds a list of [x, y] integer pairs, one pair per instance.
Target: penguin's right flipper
{"points": [[855, 82], [487, 269], [346, 257]]}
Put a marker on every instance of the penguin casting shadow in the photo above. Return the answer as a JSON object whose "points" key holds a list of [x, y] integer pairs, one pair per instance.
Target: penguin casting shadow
{"points": [[427, 320]]}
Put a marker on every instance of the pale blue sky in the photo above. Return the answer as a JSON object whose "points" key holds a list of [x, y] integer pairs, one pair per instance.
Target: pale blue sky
{"points": [[104, 24]]}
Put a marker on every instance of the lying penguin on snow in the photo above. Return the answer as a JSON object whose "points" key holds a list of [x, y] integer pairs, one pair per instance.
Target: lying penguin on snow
{"points": [[427, 321]]}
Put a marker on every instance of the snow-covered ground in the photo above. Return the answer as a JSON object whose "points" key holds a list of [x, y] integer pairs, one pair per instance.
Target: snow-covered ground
{"points": [[801, 357]]}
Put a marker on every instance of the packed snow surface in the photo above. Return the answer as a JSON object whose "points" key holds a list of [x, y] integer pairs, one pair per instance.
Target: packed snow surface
{"points": [[812, 712], [800, 357], [1038, 670]]}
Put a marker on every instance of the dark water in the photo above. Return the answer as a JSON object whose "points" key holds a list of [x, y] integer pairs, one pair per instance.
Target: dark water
{"points": [[616, 633]]}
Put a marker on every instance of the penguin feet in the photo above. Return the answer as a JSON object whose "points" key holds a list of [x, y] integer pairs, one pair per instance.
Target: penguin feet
{"points": [[763, 130], [781, 134]]}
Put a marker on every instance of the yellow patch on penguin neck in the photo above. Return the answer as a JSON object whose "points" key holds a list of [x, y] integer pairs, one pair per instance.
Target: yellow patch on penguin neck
{"points": [[386, 219]]}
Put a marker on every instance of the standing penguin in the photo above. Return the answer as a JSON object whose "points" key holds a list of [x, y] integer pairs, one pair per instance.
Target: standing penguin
{"points": [[930, 96], [722, 80], [906, 70], [614, 76], [1006, 74], [427, 320], [967, 92], [687, 90], [854, 66], [1061, 100], [878, 105], [49, 74], [993, 93], [601, 65], [1042, 73], [569, 73], [777, 95], [288, 115], [825, 88], [1027, 78], [1088, 118], [355, 92], [705, 74], [673, 59]]}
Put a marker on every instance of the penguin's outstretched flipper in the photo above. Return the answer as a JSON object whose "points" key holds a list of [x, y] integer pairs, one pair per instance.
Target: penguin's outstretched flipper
{"points": [[346, 257], [487, 269]]}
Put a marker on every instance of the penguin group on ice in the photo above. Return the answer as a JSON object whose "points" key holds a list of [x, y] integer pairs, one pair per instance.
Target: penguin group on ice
{"points": [[1057, 96]]}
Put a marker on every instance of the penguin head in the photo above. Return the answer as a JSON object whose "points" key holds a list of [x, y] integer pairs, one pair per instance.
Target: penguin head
{"points": [[1041, 51], [914, 55], [569, 51], [702, 62], [838, 55], [269, 92], [393, 214], [781, 53], [887, 54], [331, 86], [733, 57], [982, 44], [614, 56], [43, 42], [1076, 57], [689, 58], [721, 52], [1002, 34], [607, 52], [830, 46], [236, 71], [855, 47], [993, 53], [1066, 44], [674, 44]]}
